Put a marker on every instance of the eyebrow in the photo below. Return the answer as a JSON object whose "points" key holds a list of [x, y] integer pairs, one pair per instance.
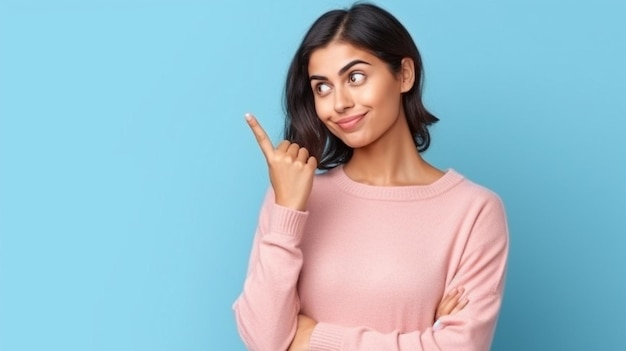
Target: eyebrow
{"points": [[341, 71]]}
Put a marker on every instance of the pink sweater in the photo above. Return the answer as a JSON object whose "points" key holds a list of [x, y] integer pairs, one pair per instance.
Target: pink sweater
{"points": [[371, 264]]}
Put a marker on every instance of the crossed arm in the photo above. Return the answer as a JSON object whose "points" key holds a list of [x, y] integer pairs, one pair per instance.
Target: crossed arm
{"points": [[452, 302]]}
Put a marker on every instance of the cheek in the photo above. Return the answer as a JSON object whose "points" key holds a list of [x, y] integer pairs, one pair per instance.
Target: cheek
{"points": [[322, 109], [379, 94], [385, 98]]}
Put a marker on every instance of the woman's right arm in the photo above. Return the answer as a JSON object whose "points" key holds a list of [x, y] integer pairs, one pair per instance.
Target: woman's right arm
{"points": [[268, 307]]}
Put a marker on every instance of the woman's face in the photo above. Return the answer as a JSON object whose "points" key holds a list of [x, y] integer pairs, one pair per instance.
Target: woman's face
{"points": [[357, 96]]}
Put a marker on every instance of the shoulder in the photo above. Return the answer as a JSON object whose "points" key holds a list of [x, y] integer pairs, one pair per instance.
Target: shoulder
{"points": [[485, 211], [477, 208], [471, 191]]}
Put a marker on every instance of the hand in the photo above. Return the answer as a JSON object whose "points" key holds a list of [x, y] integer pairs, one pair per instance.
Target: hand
{"points": [[302, 339], [451, 303], [290, 166]]}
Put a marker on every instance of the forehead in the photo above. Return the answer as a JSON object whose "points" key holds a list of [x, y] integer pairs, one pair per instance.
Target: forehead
{"points": [[328, 60]]}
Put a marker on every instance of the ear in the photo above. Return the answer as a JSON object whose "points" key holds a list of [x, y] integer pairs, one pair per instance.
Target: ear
{"points": [[407, 74]]}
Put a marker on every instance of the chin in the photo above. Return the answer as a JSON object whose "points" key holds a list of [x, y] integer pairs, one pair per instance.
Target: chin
{"points": [[355, 143], [355, 139]]}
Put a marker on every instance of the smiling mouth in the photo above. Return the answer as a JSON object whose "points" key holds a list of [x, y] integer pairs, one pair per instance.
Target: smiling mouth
{"points": [[349, 123]]}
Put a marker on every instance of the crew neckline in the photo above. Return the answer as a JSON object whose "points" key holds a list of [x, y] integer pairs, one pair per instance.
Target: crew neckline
{"points": [[394, 193]]}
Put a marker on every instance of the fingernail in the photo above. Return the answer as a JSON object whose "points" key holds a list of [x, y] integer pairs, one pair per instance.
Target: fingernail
{"points": [[247, 116], [437, 325]]}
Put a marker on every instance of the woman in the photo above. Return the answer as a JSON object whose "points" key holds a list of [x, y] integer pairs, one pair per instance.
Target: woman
{"points": [[367, 255]]}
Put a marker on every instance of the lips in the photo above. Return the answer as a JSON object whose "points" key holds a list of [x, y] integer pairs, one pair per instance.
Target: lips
{"points": [[348, 123]]}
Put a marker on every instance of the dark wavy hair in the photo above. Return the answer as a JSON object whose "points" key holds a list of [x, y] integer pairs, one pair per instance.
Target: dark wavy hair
{"points": [[367, 27]]}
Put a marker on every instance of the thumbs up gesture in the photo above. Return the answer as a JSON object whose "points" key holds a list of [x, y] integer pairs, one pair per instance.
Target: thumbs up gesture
{"points": [[291, 169]]}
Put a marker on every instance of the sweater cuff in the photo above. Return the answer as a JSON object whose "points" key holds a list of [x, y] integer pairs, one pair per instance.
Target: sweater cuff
{"points": [[287, 221], [326, 337]]}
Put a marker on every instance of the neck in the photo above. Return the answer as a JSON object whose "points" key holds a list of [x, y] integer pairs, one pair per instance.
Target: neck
{"points": [[392, 160]]}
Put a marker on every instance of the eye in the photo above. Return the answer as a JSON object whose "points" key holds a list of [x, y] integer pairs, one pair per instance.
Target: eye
{"points": [[322, 89], [356, 78]]}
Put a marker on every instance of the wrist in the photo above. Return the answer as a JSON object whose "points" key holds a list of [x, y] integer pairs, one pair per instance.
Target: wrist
{"points": [[291, 204], [302, 339]]}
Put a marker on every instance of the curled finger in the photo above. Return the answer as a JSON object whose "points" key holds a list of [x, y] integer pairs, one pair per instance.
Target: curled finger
{"points": [[292, 150], [303, 155]]}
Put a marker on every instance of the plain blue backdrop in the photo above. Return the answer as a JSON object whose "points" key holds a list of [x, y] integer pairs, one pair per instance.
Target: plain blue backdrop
{"points": [[130, 185]]}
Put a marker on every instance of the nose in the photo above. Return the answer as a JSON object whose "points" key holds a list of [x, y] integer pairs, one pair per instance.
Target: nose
{"points": [[343, 100]]}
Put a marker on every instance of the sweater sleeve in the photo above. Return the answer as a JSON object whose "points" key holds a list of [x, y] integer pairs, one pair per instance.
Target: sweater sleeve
{"points": [[266, 311], [481, 272]]}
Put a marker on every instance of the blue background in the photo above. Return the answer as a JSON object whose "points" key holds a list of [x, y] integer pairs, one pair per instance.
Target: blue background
{"points": [[130, 184]]}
